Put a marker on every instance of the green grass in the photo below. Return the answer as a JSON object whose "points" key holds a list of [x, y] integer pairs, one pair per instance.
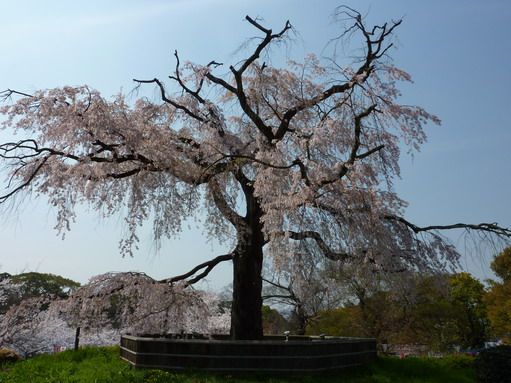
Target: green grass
{"points": [[103, 365]]}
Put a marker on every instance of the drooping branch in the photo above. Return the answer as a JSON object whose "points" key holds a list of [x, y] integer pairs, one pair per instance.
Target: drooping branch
{"points": [[254, 117], [194, 93], [25, 184], [28, 151], [252, 159], [306, 104], [207, 266], [33, 150], [6, 94], [492, 228], [221, 82], [358, 130]]}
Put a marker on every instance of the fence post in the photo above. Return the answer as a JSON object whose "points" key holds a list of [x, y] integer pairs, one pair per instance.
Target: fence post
{"points": [[77, 338]]}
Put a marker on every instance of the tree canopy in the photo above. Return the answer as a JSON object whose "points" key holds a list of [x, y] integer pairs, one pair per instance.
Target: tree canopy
{"points": [[498, 297], [16, 288], [441, 311], [271, 156]]}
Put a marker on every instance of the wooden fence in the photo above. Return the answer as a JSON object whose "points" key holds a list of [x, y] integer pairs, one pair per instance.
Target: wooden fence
{"points": [[301, 355]]}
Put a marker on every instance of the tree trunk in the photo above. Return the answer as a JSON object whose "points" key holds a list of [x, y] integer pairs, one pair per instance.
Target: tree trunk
{"points": [[246, 314], [301, 319]]}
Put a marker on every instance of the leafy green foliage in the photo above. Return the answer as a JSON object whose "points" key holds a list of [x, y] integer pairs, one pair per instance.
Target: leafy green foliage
{"points": [[469, 309], [501, 264], [35, 284], [494, 365], [450, 310], [440, 311], [343, 321], [498, 298], [273, 321], [17, 288]]}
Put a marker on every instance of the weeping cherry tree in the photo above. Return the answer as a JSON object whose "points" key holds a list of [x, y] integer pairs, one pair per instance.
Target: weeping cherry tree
{"points": [[270, 156]]}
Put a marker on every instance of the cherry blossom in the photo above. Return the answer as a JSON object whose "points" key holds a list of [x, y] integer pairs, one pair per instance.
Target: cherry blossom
{"points": [[270, 156], [107, 307]]}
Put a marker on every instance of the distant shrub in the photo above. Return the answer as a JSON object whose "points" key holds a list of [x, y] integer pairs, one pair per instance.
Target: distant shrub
{"points": [[494, 365], [9, 356]]}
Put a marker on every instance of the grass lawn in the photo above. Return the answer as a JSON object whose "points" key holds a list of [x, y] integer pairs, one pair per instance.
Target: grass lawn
{"points": [[103, 365]]}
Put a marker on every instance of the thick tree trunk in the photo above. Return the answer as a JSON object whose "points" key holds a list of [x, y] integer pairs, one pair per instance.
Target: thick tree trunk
{"points": [[301, 319], [246, 315]]}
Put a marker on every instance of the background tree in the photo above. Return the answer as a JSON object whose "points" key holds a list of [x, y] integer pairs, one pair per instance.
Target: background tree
{"points": [[108, 306], [342, 321], [305, 285], [440, 311], [31, 328], [467, 295], [376, 304], [279, 155], [498, 297], [137, 304], [274, 322], [34, 284], [16, 288], [449, 310]]}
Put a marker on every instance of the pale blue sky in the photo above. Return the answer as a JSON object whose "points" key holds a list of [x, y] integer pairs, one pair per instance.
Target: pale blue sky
{"points": [[458, 53]]}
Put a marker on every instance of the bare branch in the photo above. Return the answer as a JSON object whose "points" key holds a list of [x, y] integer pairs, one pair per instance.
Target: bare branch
{"points": [[168, 100], [238, 76], [375, 49], [325, 249], [7, 94], [492, 228], [280, 286], [208, 266], [354, 156], [5, 197], [223, 83], [234, 218], [266, 41]]}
